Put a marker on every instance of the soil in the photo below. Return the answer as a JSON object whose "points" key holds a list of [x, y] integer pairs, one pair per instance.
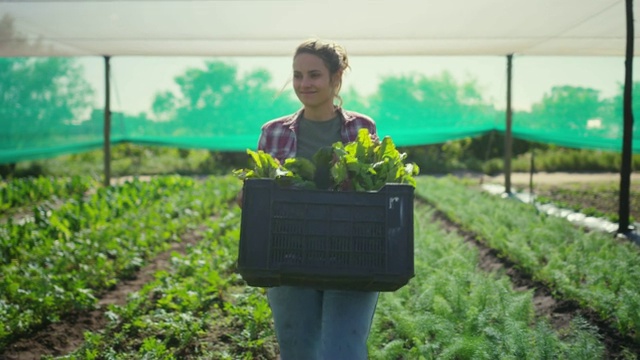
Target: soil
{"points": [[561, 178]]}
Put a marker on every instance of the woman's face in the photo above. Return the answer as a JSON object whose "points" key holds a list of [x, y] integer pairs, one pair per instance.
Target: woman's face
{"points": [[312, 82]]}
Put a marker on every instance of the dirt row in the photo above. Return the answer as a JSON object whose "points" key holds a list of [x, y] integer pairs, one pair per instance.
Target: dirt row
{"points": [[558, 178]]}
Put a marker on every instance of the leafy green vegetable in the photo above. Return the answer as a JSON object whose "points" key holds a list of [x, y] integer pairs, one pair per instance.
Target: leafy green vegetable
{"points": [[301, 167], [361, 165], [296, 172]]}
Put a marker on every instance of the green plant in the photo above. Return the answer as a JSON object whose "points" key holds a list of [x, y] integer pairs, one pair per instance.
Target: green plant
{"points": [[361, 165], [589, 268], [450, 310]]}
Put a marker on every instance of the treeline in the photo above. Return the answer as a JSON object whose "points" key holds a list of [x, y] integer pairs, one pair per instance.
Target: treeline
{"points": [[218, 102]]}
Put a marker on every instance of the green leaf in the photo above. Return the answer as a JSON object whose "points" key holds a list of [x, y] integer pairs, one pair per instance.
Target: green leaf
{"points": [[301, 167]]}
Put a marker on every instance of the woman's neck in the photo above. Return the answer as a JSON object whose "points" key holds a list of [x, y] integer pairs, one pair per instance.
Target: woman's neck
{"points": [[320, 114]]}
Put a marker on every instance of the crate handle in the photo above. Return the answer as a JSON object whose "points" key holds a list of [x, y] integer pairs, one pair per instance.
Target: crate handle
{"points": [[392, 200]]}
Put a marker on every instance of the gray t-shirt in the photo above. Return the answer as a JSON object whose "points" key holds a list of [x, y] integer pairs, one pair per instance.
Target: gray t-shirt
{"points": [[314, 135]]}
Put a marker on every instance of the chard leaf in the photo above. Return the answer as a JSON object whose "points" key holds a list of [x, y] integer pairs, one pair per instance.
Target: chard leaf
{"points": [[387, 149], [364, 145], [339, 173], [301, 167], [256, 161], [361, 165]]}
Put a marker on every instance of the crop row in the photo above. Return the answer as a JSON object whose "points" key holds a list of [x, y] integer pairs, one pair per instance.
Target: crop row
{"points": [[67, 223], [199, 308], [64, 259], [450, 310], [596, 270], [27, 191]]}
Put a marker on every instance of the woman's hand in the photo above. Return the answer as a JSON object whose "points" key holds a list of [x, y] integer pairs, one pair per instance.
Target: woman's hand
{"points": [[239, 198]]}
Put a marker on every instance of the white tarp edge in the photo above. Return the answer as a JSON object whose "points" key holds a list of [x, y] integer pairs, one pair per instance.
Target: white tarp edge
{"points": [[275, 27]]}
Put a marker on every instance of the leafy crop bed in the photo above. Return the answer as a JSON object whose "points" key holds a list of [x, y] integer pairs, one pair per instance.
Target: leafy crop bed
{"points": [[146, 270], [601, 199]]}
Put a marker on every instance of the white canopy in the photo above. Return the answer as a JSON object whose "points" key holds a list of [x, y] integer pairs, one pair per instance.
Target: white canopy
{"points": [[275, 27]]}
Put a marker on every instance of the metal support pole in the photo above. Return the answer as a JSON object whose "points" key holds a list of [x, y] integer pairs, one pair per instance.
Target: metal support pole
{"points": [[107, 123], [627, 137], [507, 135], [532, 170]]}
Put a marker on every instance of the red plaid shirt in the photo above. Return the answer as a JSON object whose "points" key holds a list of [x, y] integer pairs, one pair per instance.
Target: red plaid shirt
{"points": [[278, 136]]}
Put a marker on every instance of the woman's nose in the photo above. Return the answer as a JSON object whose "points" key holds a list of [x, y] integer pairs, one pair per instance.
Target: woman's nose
{"points": [[305, 82]]}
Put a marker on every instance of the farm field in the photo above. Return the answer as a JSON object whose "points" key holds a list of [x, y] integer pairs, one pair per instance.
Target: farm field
{"points": [[146, 270], [594, 194]]}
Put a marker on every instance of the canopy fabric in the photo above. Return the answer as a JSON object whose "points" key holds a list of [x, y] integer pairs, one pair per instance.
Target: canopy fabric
{"points": [[71, 28], [275, 27]]}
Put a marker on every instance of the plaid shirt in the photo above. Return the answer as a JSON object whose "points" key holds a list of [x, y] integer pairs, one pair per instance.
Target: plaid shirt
{"points": [[278, 136]]}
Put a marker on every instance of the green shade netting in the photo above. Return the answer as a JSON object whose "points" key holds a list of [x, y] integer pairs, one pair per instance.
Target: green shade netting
{"points": [[46, 110], [21, 141]]}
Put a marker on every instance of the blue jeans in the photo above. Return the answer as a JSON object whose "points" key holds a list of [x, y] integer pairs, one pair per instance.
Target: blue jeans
{"points": [[322, 325]]}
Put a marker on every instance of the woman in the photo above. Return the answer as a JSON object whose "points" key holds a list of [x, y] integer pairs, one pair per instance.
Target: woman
{"points": [[311, 323]]}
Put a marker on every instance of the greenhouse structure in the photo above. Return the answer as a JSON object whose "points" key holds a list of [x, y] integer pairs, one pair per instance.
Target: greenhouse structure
{"points": [[503, 28]]}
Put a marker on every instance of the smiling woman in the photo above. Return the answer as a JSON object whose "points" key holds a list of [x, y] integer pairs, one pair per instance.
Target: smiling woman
{"points": [[314, 87], [317, 77], [312, 323]]}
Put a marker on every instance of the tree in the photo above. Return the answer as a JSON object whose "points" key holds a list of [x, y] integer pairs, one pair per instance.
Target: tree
{"points": [[9, 39], [40, 93], [216, 100], [566, 107], [433, 111], [39, 97], [353, 100], [616, 105], [417, 101]]}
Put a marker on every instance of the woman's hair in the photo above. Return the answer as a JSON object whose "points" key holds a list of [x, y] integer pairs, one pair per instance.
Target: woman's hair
{"points": [[333, 56]]}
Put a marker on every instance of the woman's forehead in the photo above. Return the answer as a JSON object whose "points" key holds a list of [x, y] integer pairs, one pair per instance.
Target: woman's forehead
{"points": [[308, 62]]}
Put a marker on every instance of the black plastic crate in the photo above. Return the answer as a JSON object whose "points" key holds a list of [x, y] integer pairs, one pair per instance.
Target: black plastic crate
{"points": [[326, 239]]}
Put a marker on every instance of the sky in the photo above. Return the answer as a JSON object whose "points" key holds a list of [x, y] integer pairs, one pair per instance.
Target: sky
{"points": [[136, 80]]}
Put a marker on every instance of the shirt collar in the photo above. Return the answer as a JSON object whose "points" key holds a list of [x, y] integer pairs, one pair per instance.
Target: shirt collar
{"points": [[339, 110]]}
